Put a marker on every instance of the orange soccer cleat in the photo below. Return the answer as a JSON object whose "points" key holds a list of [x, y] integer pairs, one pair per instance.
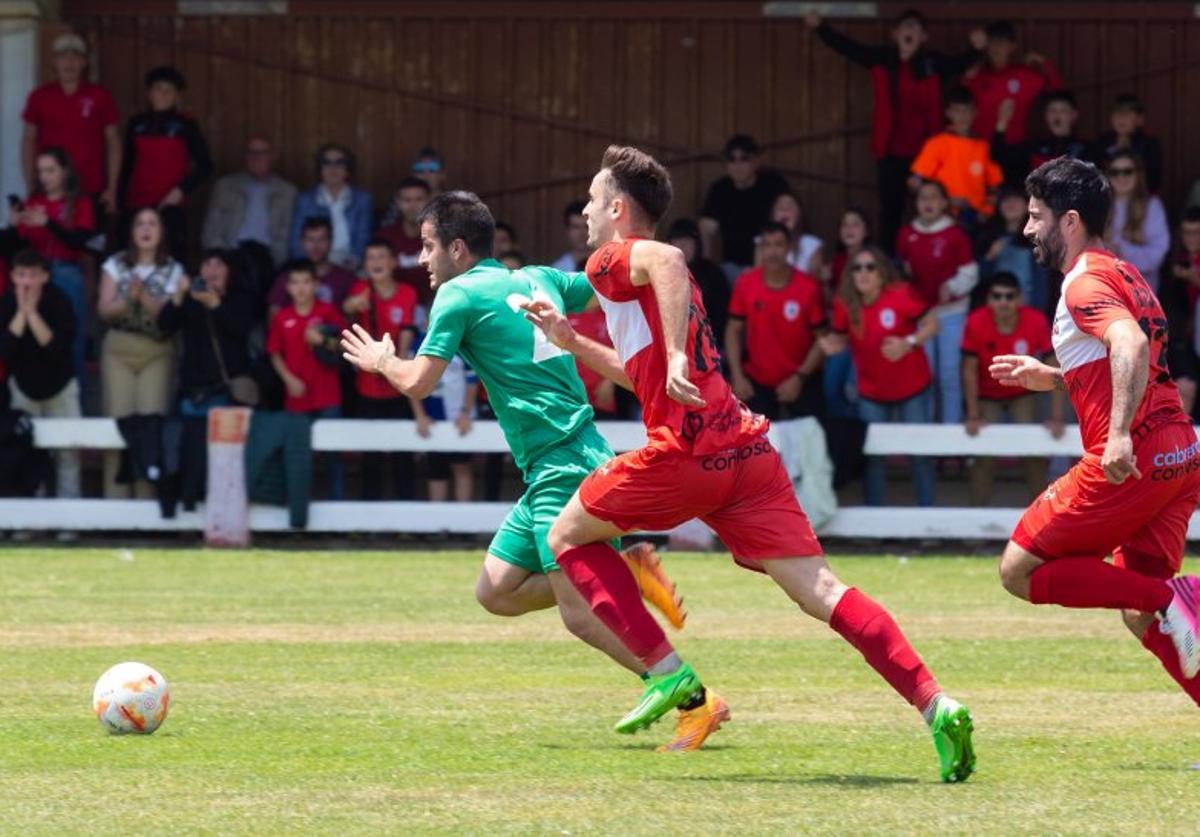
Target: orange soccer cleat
{"points": [[652, 580], [695, 725]]}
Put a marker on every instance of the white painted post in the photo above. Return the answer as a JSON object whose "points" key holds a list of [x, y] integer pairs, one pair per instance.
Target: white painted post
{"points": [[226, 510]]}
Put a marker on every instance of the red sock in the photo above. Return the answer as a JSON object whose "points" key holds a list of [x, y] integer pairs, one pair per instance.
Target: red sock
{"points": [[600, 575], [1160, 645], [864, 623], [1090, 582]]}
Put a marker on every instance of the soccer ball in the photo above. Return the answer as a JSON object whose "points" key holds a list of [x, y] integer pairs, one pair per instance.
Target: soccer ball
{"points": [[131, 697]]}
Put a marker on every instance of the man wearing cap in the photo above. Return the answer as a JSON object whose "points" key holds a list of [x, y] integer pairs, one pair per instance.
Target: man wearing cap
{"points": [[77, 116]]}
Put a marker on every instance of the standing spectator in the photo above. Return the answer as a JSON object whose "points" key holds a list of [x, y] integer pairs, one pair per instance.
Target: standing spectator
{"points": [[684, 233], [57, 220], [333, 281], [136, 358], [165, 157], [738, 205], [1005, 326], [1018, 159], [430, 167], [885, 321], [251, 210], [907, 80], [302, 344], [806, 252], [1128, 134], [937, 255], [401, 228], [959, 161], [999, 79], [383, 306], [575, 227], [771, 339], [1180, 295], [506, 239], [1137, 228], [77, 116], [214, 316], [35, 345], [854, 235], [347, 208], [1003, 248], [453, 399]]}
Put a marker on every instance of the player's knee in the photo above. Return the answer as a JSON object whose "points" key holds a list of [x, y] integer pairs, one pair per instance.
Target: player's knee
{"points": [[1014, 576], [494, 601], [558, 539]]}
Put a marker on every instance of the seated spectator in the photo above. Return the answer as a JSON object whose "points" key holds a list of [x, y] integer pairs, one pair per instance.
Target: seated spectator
{"points": [[1128, 134], [737, 205], [57, 220], [885, 321], [999, 79], [347, 208], [430, 167], [303, 345], [401, 228], [907, 80], [452, 400], [252, 210], [215, 316], [165, 158], [1003, 248], [960, 161], [513, 259], [35, 345], [1005, 326], [384, 307], [1180, 294], [937, 256], [1017, 159], [771, 339], [805, 250], [714, 287], [137, 359], [576, 230], [1137, 228], [854, 235], [333, 281], [505, 240]]}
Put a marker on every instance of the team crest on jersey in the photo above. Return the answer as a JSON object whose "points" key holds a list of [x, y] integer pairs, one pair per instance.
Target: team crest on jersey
{"points": [[1021, 347], [397, 316], [887, 318], [976, 168], [791, 310], [1014, 86]]}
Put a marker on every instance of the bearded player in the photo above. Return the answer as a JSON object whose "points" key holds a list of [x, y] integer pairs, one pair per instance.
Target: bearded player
{"points": [[707, 456], [1138, 483]]}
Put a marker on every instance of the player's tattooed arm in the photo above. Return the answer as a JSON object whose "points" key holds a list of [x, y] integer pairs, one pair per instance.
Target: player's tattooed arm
{"points": [[1129, 365], [665, 269]]}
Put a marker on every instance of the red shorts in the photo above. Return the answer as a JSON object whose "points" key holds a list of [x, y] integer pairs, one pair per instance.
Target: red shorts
{"points": [[1142, 522], [744, 494]]}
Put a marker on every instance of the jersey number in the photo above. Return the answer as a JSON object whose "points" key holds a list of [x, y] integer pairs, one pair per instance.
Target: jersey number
{"points": [[704, 347]]}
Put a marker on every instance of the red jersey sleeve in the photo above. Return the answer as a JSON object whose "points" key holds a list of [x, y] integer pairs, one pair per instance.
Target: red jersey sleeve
{"points": [[1095, 304], [275, 335], [972, 340], [407, 295], [816, 304], [608, 270], [85, 214], [1039, 333], [739, 303], [960, 247], [841, 317], [929, 161], [902, 243], [31, 115]]}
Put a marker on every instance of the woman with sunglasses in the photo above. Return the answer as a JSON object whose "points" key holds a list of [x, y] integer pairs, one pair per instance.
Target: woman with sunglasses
{"points": [[885, 322], [854, 234], [1137, 229], [348, 209]]}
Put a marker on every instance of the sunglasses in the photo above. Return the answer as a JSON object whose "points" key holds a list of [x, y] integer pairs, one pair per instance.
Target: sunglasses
{"points": [[864, 268], [426, 167], [1123, 172], [333, 161], [1003, 296]]}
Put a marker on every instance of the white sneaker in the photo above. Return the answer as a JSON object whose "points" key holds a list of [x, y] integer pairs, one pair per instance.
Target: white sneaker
{"points": [[1182, 622]]}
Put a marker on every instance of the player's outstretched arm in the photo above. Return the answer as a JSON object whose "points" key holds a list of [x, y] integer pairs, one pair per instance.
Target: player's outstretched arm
{"points": [[416, 378], [1025, 371], [665, 269], [558, 330]]}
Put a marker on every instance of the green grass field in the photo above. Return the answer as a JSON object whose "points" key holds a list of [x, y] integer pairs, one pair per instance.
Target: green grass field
{"points": [[364, 692]]}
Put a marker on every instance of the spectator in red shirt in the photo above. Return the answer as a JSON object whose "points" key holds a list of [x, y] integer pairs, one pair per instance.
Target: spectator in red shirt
{"points": [[1128, 134], [383, 306], [400, 227], [854, 235], [302, 343], [333, 281], [80, 117], [885, 321], [771, 339], [1005, 326], [165, 157], [998, 79]]}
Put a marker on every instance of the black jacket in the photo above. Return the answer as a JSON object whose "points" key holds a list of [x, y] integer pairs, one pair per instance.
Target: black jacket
{"points": [[170, 452], [41, 371], [231, 321]]}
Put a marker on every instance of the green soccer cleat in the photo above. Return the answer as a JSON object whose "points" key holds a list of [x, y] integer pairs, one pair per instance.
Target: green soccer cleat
{"points": [[952, 728], [663, 693]]}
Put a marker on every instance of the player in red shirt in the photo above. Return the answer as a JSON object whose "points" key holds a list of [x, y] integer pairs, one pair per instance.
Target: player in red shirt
{"points": [[706, 456], [771, 338], [1138, 483], [999, 79]]}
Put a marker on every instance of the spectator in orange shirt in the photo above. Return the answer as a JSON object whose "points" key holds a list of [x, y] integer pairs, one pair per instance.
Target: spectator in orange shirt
{"points": [[959, 161]]}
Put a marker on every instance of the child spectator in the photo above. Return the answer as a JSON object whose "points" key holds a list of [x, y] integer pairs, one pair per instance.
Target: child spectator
{"points": [[39, 326], [165, 157], [347, 208], [1003, 248], [576, 230], [383, 306], [1017, 159], [400, 227], [137, 360], [1180, 294], [684, 233], [303, 345], [959, 161], [333, 282], [885, 321], [1005, 326], [505, 240], [936, 254], [452, 400], [854, 235], [998, 80], [771, 339], [805, 250], [1128, 134], [1137, 228]]}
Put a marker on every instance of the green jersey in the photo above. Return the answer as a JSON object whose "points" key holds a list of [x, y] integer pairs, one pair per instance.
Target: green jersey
{"points": [[533, 385]]}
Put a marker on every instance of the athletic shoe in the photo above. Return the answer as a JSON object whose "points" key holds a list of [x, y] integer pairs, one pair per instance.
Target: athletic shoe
{"points": [[952, 728], [696, 725], [663, 693], [1182, 622], [652, 580]]}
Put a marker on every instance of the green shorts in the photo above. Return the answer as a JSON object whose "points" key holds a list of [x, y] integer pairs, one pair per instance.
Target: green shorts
{"points": [[521, 539]]}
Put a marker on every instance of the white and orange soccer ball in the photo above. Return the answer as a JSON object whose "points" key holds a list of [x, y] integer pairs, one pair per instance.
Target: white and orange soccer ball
{"points": [[131, 697]]}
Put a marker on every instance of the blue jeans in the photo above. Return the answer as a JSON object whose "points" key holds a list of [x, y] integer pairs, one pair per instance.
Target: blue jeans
{"points": [[68, 278], [945, 361], [916, 410], [331, 461], [837, 374], [193, 409]]}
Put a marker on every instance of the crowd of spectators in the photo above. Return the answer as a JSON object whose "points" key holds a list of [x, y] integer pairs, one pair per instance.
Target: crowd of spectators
{"points": [[891, 317]]}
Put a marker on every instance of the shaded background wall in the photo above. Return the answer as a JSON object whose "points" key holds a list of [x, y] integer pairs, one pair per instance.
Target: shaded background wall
{"points": [[522, 97]]}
